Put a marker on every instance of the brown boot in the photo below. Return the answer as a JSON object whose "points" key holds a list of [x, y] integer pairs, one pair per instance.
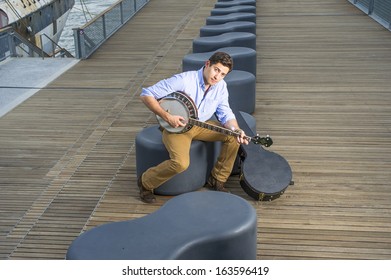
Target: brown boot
{"points": [[215, 185], [145, 195]]}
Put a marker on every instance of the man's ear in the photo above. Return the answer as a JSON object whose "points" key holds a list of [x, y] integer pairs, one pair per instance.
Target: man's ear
{"points": [[207, 63]]}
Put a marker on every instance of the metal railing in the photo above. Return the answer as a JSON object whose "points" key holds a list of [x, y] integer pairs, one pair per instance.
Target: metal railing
{"points": [[92, 35], [4, 44], [379, 10], [55, 49], [12, 44]]}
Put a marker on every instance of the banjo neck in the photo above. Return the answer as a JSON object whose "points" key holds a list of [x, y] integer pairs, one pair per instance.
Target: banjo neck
{"points": [[178, 103], [217, 128]]}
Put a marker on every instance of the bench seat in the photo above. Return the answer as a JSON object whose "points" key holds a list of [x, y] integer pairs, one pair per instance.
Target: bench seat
{"points": [[192, 226]]}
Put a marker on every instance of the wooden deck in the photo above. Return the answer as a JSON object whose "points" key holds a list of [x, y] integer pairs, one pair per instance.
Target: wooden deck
{"points": [[67, 155]]}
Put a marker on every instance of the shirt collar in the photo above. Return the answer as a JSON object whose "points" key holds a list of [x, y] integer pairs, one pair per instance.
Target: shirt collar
{"points": [[201, 79]]}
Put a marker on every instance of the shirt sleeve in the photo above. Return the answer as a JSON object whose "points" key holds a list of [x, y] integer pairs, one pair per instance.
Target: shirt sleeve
{"points": [[164, 87], [224, 112]]}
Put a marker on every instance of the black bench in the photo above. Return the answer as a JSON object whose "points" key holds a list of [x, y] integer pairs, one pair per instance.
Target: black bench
{"points": [[233, 26], [229, 39], [233, 9], [230, 3], [245, 59], [231, 17], [150, 151], [196, 225]]}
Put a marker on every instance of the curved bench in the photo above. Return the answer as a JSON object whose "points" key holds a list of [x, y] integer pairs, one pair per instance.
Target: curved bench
{"points": [[150, 151], [233, 9], [196, 225], [244, 59], [241, 88], [233, 26], [229, 3], [230, 39], [211, 20]]}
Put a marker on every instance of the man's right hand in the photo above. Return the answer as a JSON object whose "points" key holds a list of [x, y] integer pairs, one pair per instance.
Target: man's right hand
{"points": [[176, 121]]}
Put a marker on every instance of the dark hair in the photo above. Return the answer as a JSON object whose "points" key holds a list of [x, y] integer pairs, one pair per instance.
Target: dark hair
{"points": [[223, 58]]}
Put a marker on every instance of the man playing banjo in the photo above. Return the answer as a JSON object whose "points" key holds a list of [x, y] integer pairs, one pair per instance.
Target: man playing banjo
{"points": [[208, 92]]}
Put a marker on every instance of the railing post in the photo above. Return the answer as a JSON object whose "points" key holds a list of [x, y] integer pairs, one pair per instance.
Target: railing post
{"points": [[371, 6], [53, 48], [42, 50], [11, 44], [104, 25], [77, 42], [78, 35], [121, 9]]}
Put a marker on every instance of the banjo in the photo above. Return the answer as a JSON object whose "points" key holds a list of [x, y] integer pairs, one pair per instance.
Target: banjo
{"points": [[179, 103]]}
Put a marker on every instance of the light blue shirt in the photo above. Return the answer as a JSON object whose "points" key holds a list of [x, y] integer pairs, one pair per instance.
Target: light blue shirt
{"points": [[215, 101]]}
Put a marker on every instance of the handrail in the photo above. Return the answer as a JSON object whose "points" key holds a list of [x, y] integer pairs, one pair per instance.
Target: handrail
{"points": [[32, 47], [11, 40], [56, 48], [93, 34]]}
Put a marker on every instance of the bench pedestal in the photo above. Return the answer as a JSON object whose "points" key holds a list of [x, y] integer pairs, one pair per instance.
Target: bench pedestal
{"points": [[150, 151]]}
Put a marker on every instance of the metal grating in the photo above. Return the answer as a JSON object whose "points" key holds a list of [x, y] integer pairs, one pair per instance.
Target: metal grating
{"points": [[379, 10], [93, 34], [364, 4], [382, 9]]}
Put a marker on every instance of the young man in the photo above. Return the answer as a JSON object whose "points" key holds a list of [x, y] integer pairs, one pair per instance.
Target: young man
{"points": [[208, 90]]}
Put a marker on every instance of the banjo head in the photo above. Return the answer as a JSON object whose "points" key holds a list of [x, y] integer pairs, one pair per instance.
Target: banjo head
{"points": [[178, 103]]}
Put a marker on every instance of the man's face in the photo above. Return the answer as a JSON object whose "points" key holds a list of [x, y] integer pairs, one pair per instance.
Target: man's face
{"points": [[214, 73]]}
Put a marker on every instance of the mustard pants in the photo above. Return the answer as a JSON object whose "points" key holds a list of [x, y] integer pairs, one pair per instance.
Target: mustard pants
{"points": [[178, 147]]}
